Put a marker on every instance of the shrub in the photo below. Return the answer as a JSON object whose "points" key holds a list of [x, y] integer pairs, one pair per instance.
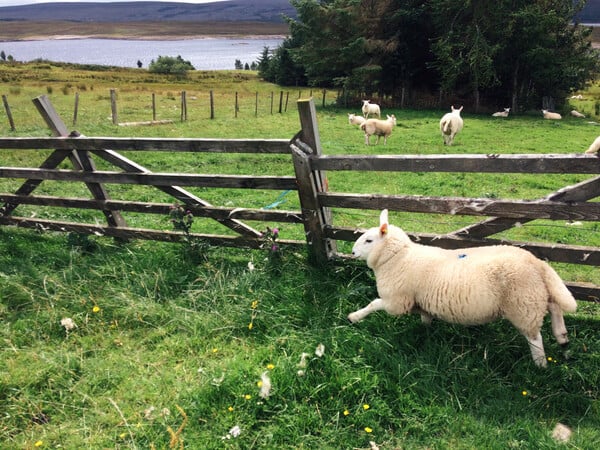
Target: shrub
{"points": [[170, 65]]}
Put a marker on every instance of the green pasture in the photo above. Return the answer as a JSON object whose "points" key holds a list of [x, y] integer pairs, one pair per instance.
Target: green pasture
{"points": [[172, 343]]}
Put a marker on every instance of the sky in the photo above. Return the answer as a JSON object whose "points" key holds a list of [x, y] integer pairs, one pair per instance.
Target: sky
{"points": [[29, 2]]}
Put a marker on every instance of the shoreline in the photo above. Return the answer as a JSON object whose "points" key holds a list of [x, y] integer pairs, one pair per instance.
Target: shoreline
{"points": [[69, 37]]}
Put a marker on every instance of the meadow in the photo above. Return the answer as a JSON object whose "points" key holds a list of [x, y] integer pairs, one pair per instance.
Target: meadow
{"points": [[171, 347]]}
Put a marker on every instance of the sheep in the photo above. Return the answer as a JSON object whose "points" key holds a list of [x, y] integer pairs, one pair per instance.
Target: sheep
{"points": [[576, 113], [468, 286], [551, 115], [595, 147], [502, 113], [353, 119], [451, 124], [370, 108], [379, 128]]}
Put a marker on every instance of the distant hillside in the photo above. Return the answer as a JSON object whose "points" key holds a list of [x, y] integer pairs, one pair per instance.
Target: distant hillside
{"points": [[591, 12], [223, 11]]}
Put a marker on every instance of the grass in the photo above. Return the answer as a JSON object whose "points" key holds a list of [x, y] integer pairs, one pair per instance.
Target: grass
{"points": [[170, 344]]}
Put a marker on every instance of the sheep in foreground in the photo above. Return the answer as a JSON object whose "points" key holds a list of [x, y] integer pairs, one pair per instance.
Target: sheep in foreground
{"points": [[551, 115], [595, 147], [378, 128], [353, 119], [502, 113], [370, 108], [451, 124], [576, 113], [467, 286]]}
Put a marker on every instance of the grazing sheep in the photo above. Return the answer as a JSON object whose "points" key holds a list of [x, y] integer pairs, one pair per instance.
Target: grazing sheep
{"points": [[353, 119], [595, 147], [576, 113], [551, 115], [468, 286], [502, 113], [378, 128], [370, 108], [450, 124]]}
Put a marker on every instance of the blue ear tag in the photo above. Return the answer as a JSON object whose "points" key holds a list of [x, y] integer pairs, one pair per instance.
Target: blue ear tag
{"points": [[462, 255]]}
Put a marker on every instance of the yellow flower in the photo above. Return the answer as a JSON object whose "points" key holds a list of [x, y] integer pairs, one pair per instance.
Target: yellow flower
{"points": [[270, 366], [254, 304], [247, 396], [96, 309], [230, 409], [368, 429], [259, 383], [250, 325], [38, 443], [123, 435], [524, 393], [215, 350], [365, 406], [550, 358], [346, 412]]}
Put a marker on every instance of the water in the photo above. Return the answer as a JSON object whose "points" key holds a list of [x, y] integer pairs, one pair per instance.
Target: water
{"points": [[204, 54]]}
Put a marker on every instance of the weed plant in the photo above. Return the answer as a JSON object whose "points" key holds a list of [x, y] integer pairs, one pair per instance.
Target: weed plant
{"points": [[243, 349]]}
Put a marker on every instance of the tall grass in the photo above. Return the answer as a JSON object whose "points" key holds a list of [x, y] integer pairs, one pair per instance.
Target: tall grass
{"points": [[170, 344]]}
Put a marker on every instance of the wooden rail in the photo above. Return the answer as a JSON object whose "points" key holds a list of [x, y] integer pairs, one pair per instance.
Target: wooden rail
{"points": [[570, 203]]}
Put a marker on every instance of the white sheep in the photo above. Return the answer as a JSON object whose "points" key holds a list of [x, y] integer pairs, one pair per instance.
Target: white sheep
{"points": [[451, 124], [370, 108], [576, 113], [595, 147], [353, 119], [502, 113], [551, 115], [378, 128], [468, 286]]}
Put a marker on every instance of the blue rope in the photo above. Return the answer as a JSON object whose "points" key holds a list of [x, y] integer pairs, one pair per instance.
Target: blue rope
{"points": [[278, 201]]}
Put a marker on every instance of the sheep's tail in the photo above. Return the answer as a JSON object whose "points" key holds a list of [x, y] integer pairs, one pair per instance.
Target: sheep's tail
{"points": [[446, 125], [559, 293], [363, 125]]}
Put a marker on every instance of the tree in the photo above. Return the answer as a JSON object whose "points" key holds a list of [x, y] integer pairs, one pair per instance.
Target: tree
{"points": [[509, 52], [139, 64], [2, 55], [238, 64], [170, 65]]}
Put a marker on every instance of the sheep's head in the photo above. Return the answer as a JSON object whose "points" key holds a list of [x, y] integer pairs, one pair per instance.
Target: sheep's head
{"points": [[392, 119], [370, 238], [456, 110]]}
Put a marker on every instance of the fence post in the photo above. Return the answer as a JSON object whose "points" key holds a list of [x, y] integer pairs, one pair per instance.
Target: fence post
{"points": [[212, 105], [8, 113], [153, 106], [183, 106], [310, 183], [75, 110], [113, 106]]}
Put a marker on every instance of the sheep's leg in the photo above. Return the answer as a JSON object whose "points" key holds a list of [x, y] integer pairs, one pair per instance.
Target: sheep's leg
{"points": [[536, 346], [375, 305], [559, 329], [366, 139]]}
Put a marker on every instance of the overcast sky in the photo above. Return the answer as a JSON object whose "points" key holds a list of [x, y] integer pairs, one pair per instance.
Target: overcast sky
{"points": [[29, 2]]}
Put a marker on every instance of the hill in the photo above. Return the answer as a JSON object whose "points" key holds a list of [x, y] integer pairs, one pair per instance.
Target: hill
{"points": [[221, 11]]}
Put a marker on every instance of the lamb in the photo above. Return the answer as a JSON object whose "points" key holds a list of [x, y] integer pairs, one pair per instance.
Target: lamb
{"points": [[353, 119], [451, 124], [502, 113], [551, 115], [468, 286], [379, 128], [576, 113], [595, 147], [370, 108]]}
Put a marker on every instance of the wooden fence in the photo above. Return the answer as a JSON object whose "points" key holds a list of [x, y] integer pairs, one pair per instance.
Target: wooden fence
{"points": [[316, 201]]}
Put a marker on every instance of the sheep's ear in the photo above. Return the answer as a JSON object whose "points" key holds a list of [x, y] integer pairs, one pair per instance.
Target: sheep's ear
{"points": [[383, 222]]}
